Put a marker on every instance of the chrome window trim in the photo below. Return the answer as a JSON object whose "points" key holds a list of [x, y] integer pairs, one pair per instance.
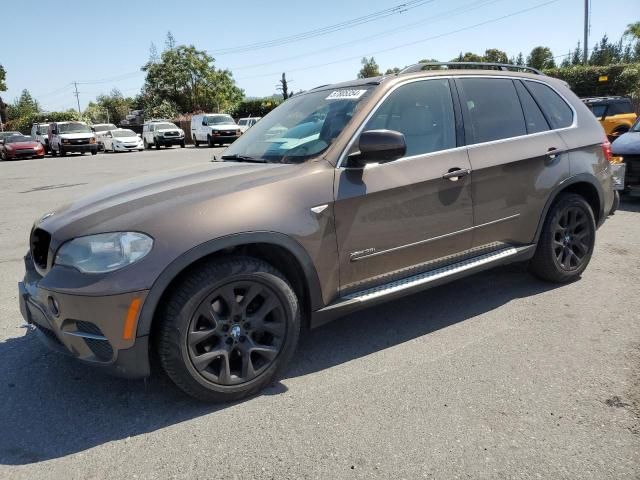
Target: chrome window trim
{"points": [[433, 239], [343, 155]]}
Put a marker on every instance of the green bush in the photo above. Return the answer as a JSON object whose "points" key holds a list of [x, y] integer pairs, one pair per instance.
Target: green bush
{"points": [[622, 79], [254, 108]]}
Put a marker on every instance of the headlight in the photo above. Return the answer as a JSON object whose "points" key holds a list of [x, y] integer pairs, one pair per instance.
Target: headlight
{"points": [[105, 252], [65, 140]]}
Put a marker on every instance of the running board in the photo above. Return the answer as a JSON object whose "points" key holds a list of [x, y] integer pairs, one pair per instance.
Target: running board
{"points": [[421, 281]]}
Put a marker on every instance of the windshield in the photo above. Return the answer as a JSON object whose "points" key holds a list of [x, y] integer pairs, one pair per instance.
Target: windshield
{"points": [[42, 129], [19, 138], [598, 110], [242, 122], [123, 133], [636, 126], [104, 128], [302, 127], [166, 126], [73, 128], [219, 119]]}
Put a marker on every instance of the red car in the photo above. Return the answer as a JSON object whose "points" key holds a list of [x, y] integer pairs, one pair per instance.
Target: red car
{"points": [[20, 146]]}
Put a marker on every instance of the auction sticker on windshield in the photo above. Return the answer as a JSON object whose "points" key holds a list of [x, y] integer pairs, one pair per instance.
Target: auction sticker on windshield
{"points": [[346, 94]]}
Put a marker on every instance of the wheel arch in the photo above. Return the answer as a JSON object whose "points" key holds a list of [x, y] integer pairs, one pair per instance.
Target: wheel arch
{"points": [[582, 184], [280, 250]]}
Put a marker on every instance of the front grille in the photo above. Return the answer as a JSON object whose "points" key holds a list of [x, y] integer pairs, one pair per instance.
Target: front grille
{"points": [[48, 333], [229, 132], [79, 141], [25, 152], [100, 348], [171, 134], [40, 241]]}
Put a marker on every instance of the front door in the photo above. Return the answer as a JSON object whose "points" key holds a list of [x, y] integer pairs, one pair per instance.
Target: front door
{"points": [[393, 219]]}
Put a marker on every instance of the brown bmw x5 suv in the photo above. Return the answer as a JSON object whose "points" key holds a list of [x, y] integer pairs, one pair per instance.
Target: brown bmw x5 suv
{"points": [[343, 197]]}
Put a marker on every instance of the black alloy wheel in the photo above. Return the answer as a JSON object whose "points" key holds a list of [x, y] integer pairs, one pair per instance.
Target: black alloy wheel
{"points": [[236, 333]]}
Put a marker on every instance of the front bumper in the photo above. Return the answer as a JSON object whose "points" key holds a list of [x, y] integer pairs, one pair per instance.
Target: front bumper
{"points": [[93, 330], [68, 147], [119, 147], [224, 138], [170, 140]]}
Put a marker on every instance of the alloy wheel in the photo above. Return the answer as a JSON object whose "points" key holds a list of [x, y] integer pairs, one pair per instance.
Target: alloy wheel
{"points": [[236, 333], [572, 238]]}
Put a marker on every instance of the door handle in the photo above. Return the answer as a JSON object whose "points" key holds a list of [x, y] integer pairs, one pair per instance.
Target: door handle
{"points": [[553, 152], [454, 173]]}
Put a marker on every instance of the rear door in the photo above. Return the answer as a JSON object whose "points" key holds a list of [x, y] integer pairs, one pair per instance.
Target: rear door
{"points": [[393, 219], [516, 157]]}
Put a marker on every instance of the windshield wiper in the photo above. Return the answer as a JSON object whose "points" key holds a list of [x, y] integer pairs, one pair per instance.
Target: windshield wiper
{"points": [[243, 158]]}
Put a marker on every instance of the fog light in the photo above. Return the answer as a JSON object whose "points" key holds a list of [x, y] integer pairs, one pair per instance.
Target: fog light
{"points": [[53, 306]]}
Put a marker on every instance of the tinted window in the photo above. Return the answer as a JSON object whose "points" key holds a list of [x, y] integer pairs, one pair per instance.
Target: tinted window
{"points": [[423, 112], [532, 114], [598, 110], [556, 110], [619, 108], [493, 108]]}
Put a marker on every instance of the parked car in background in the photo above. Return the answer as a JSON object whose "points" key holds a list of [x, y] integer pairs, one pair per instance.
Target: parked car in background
{"points": [[4, 135], [100, 129], [246, 123], [16, 147], [122, 140], [626, 150], [161, 133], [71, 137], [213, 129], [135, 117], [39, 131], [615, 114], [390, 186]]}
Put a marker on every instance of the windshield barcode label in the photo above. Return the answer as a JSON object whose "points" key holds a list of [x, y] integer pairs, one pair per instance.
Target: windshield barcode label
{"points": [[345, 94]]}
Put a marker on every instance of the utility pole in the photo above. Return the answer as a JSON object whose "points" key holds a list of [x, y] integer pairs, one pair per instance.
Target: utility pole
{"points": [[75, 84], [585, 54]]}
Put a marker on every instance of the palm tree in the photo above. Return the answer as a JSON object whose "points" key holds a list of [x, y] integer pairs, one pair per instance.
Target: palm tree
{"points": [[633, 30]]}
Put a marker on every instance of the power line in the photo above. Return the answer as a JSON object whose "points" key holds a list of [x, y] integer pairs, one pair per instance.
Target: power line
{"points": [[434, 37], [451, 13], [398, 9], [116, 78]]}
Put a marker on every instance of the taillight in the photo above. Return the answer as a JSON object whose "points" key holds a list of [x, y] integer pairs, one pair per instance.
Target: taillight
{"points": [[606, 150]]}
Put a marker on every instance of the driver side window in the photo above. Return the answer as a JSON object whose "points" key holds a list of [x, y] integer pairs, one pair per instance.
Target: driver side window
{"points": [[423, 112]]}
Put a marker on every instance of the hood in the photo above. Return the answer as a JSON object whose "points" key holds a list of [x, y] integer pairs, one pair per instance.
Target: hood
{"points": [[127, 139], [72, 136], [162, 130], [136, 204], [627, 144], [225, 126]]}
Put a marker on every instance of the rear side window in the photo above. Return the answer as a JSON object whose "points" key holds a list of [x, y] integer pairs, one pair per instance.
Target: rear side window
{"points": [[493, 110], [423, 112], [620, 108], [558, 113], [532, 114]]}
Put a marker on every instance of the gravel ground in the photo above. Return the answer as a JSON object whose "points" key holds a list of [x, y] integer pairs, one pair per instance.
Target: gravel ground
{"points": [[494, 376]]}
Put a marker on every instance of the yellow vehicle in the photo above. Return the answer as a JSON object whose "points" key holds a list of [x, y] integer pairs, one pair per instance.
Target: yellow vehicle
{"points": [[615, 114]]}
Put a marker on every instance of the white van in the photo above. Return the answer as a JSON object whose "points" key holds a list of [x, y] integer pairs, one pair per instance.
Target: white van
{"points": [[214, 128], [246, 123], [39, 131], [67, 137]]}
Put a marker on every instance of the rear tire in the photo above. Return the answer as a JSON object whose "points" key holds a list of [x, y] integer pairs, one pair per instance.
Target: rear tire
{"points": [[182, 144], [196, 143], [210, 143], [566, 243], [145, 144], [228, 329]]}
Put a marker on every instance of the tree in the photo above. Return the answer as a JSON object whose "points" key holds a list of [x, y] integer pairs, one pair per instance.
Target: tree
{"points": [[112, 108], [170, 42], [493, 55], [468, 57], [541, 57], [187, 79], [3, 78], [605, 52], [633, 30], [23, 106], [519, 59], [369, 68], [284, 87], [392, 71]]}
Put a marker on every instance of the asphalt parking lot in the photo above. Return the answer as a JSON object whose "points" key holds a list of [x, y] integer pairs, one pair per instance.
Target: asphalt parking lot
{"points": [[494, 376]]}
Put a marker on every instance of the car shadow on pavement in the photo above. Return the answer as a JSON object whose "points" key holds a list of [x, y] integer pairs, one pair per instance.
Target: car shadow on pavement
{"points": [[53, 406]]}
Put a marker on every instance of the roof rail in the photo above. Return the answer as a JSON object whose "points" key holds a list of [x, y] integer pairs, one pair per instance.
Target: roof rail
{"points": [[418, 67]]}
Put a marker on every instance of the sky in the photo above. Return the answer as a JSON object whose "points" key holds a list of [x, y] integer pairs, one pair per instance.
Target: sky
{"points": [[103, 45]]}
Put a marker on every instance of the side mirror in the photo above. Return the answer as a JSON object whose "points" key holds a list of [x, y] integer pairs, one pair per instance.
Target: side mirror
{"points": [[204, 122], [379, 146]]}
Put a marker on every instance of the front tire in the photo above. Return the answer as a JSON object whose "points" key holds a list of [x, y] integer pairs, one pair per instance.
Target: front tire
{"points": [[228, 329], [566, 243]]}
